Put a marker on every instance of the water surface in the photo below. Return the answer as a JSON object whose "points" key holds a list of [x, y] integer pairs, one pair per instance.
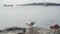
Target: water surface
{"points": [[18, 16]]}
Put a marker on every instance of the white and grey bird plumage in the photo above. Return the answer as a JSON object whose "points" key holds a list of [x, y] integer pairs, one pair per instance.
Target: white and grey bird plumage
{"points": [[30, 23]]}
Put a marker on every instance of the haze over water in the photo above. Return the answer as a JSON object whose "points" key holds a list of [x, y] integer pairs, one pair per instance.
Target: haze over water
{"points": [[18, 16]]}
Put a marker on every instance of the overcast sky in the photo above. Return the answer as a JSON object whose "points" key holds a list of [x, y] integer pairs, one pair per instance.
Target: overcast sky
{"points": [[26, 1]]}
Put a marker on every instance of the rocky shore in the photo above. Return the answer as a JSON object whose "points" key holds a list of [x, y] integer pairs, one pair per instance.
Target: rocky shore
{"points": [[32, 30]]}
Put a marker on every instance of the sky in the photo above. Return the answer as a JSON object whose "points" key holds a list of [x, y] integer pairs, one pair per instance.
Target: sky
{"points": [[26, 1]]}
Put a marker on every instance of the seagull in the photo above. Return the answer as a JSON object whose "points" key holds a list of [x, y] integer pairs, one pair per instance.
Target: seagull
{"points": [[30, 23]]}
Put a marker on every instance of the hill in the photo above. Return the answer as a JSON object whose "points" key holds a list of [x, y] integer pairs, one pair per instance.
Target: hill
{"points": [[40, 4]]}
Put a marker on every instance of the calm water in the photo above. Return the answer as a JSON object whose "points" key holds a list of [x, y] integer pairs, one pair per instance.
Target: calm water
{"points": [[18, 16]]}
